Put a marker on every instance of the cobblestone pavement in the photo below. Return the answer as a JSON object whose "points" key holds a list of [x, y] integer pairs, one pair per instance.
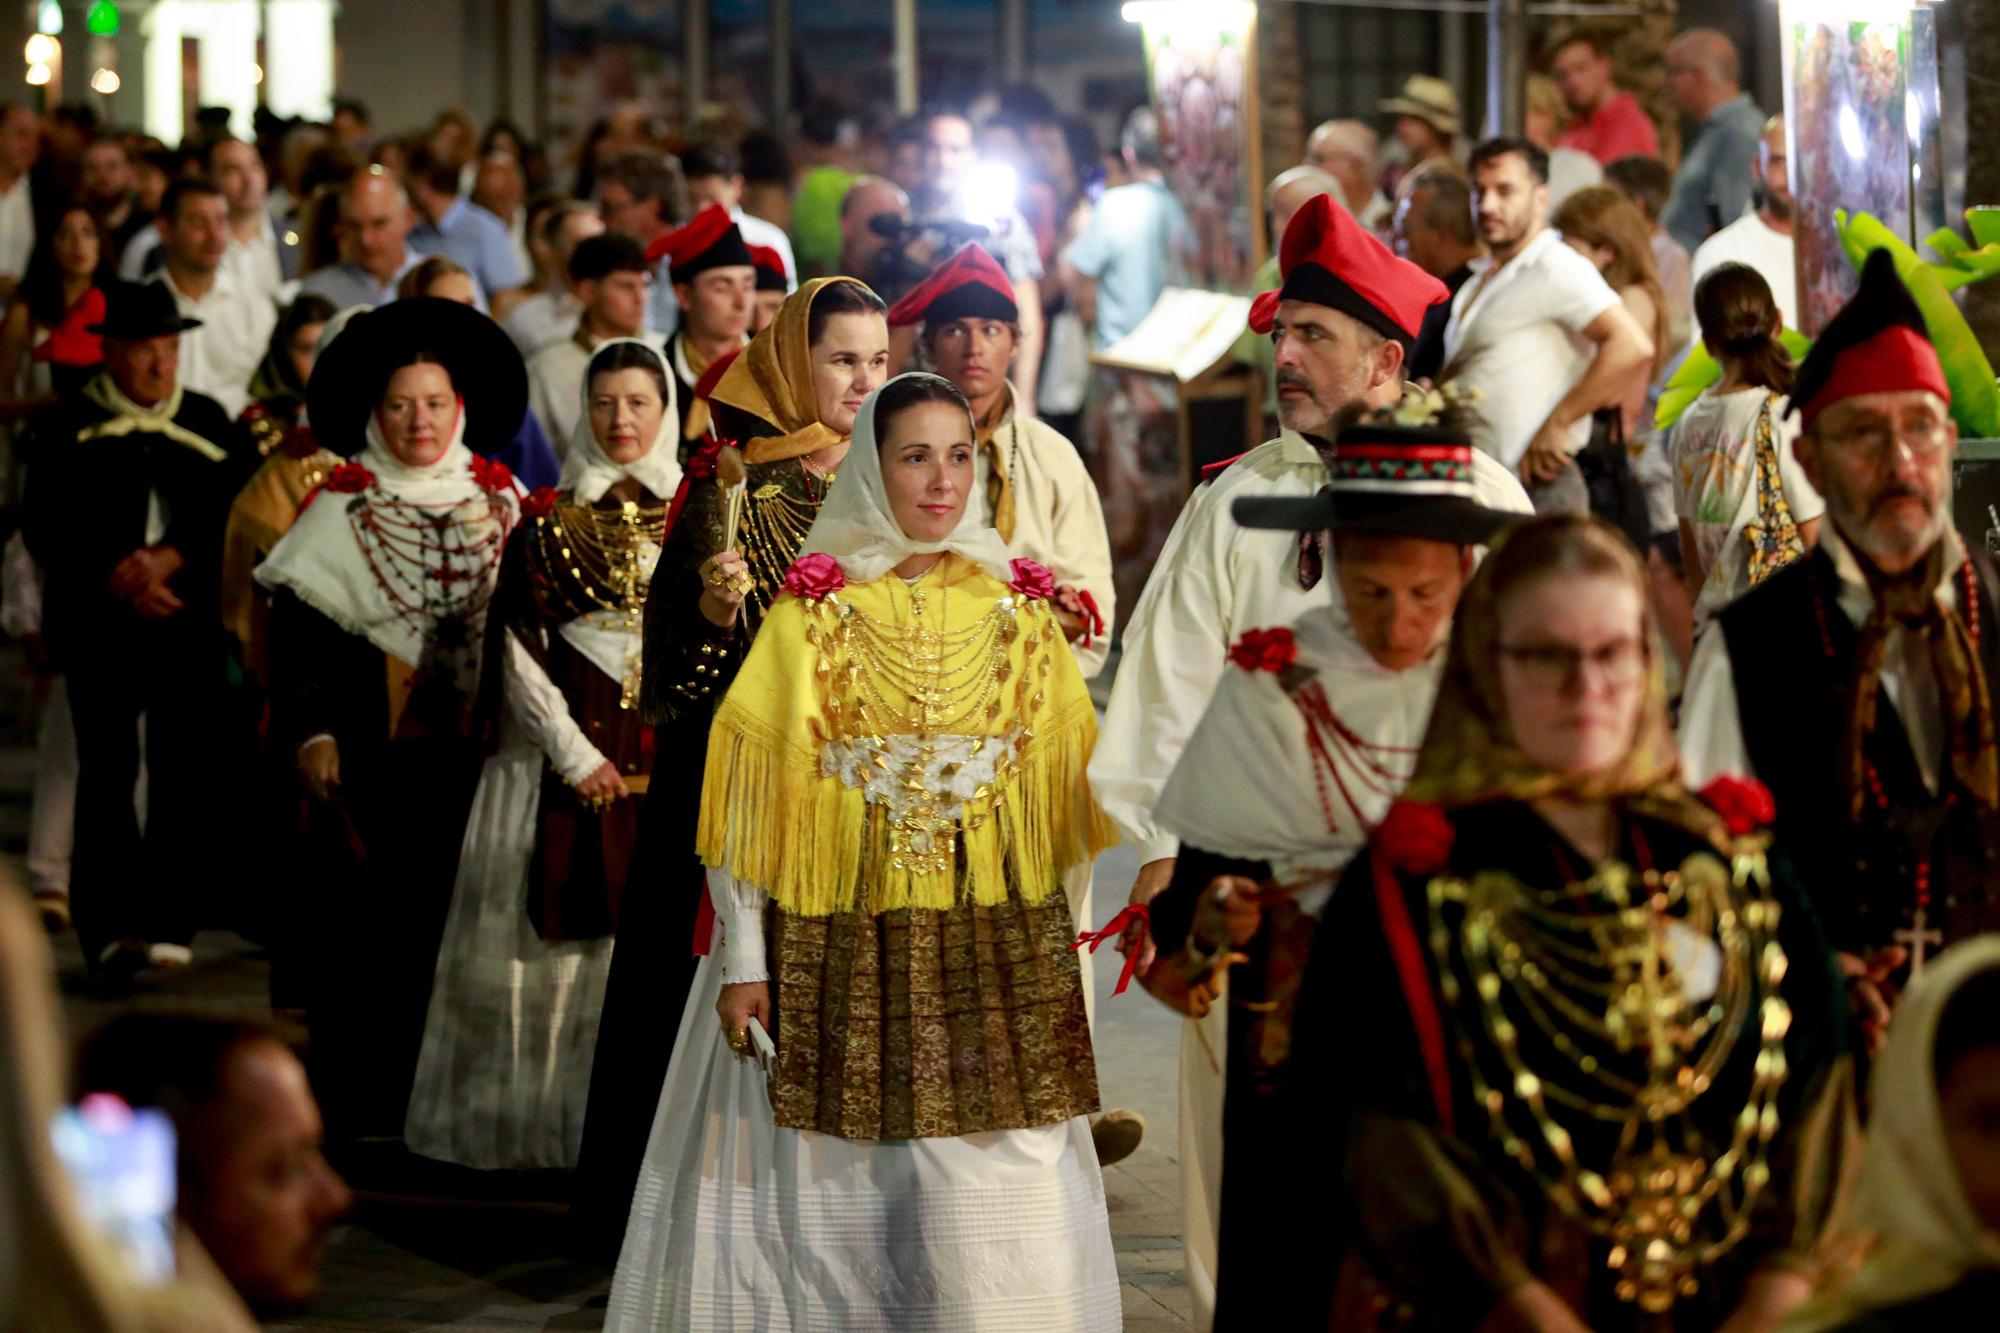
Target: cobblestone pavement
{"points": [[438, 1248]]}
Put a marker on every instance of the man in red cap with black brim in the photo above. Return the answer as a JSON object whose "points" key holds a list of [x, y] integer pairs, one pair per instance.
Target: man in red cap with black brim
{"points": [[715, 284], [1342, 324], [1857, 683]]}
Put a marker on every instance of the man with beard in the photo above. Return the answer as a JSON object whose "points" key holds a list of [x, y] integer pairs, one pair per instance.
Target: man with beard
{"points": [[1342, 323], [1762, 237], [1856, 682], [1536, 333]]}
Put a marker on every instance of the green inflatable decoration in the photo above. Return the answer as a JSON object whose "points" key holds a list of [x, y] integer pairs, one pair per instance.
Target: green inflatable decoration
{"points": [[1975, 397]]}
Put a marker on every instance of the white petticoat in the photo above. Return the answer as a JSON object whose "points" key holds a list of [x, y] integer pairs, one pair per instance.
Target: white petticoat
{"points": [[741, 1225], [505, 1070]]}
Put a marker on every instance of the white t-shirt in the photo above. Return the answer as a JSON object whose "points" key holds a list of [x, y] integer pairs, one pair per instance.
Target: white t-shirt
{"points": [[1517, 337], [1749, 240], [1715, 484], [17, 228]]}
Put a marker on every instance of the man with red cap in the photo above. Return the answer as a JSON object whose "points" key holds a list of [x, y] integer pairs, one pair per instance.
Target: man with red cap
{"points": [[1342, 324], [773, 286], [1856, 683], [715, 285], [1031, 483]]}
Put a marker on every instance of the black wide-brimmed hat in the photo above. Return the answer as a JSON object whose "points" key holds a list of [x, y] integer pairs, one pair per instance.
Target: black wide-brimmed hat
{"points": [[352, 372], [136, 310], [1391, 481]]}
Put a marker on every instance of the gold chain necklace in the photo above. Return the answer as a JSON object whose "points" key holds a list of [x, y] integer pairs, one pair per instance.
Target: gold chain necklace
{"points": [[1523, 951], [604, 552], [774, 528]]}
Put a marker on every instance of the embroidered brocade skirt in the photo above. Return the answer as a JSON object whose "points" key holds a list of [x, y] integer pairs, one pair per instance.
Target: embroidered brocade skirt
{"points": [[921, 1023]]}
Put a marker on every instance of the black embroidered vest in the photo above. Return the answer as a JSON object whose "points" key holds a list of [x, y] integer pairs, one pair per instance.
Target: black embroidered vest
{"points": [[1791, 652]]}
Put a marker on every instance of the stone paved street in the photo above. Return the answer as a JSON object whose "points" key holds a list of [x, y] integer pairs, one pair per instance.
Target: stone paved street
{"points": [[436, 1248]]}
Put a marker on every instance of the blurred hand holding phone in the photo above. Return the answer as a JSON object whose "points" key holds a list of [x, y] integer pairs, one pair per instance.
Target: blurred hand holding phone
{"points": [[122, 1163]]}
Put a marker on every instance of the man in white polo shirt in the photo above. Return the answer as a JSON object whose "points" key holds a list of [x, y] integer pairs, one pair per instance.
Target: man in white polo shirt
{"points": [[1537, 331], [1762, 237]]}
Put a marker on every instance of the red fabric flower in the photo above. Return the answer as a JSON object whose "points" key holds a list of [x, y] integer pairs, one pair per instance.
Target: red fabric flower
{"points": [[814, 575], [1265, 650], [1032, 581], [492, 475], [701, 463], [541, 502], [1745, 804], [349, 479], [1415, 838]]}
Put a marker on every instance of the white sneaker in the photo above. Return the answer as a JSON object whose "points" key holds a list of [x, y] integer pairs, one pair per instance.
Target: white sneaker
{"points": [[169, 956]]}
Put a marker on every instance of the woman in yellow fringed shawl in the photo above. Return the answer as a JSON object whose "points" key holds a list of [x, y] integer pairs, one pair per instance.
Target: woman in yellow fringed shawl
{"points": [[895, 789], [782, 415]]}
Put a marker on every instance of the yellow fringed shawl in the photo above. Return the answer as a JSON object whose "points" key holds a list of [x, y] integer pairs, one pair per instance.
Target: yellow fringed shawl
{"points": [[812, 686]]}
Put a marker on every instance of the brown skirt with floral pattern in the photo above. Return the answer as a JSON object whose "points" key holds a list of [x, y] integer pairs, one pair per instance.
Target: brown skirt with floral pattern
{"points": [[929, 1024]]}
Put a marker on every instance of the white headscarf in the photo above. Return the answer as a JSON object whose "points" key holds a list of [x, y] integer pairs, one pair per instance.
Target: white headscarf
{"points": [[589, 472], [856, 526], [1909, 1192]]}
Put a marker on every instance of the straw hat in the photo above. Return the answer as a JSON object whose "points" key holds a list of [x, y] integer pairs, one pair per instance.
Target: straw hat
{"points": [[1430, 100]]}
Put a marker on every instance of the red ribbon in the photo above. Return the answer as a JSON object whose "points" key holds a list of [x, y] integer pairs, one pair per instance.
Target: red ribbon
{"points": [[1095, 623], [1114, 928]]}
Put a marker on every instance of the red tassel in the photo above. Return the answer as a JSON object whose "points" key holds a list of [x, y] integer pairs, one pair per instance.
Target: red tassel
{"points": [[1117, 926], [1095, 626]]}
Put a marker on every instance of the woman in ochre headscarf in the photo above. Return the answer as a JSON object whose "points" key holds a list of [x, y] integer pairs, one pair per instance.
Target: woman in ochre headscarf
{"points": [[895, 793], [783, 413], [1601, 1082]]}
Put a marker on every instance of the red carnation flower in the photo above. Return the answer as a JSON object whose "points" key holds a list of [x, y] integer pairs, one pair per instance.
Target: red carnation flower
{"points": [[701, 463], [1032, 581], [1745, 804], [349, 479], [1414, 837], [1265, 650], [541, 502], [814, 575], [492, 475]]}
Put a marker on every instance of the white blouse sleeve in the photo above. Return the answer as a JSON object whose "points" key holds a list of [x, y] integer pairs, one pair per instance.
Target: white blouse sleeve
{"points": [[544, 715], [741, 909]]}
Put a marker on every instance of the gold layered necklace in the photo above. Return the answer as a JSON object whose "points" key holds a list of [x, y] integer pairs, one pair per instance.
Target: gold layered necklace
{"points": [[597, 561], [1592, 967], [775, 527], [914, 678]]}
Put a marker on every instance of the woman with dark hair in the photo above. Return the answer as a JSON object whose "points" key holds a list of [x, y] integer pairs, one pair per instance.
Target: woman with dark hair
{"points": [[894, 795], [379, 601], [505, 1067], [294, 464], [1578, 1032], [49, 320], [789, 404], [1746, 509]]}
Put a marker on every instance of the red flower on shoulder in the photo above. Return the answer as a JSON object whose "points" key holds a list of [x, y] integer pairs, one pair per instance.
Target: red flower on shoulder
{"points": [[541, 502], [1414, 837], [701, 463], [492, 475], [349, 479], [1032, 581], [1265, 650], [814, 575], [1745, 804]]}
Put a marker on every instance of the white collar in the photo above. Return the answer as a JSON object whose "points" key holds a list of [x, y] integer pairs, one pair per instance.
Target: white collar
{"points": [[1531, 251]]}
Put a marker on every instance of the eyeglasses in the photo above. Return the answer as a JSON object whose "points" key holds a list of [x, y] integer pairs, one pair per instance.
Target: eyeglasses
{"points": [[1552, 666], [1873, 441]]}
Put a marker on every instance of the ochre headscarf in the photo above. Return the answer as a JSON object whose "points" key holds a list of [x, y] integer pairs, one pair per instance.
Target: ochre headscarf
{"points": [[1470, 754], [772, 379]]}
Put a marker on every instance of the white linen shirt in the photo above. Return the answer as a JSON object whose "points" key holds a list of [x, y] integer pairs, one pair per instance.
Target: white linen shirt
{"points": [[221, 356], [1058, 518], [1213, 580], [1516, 335], [17, 227]]}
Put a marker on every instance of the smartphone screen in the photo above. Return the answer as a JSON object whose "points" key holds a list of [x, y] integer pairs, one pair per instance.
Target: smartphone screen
{"points": [[122, 1162]]}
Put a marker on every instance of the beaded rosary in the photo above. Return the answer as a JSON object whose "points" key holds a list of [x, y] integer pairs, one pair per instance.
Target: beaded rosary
{"points": [[435, 563], [1919, 936]]}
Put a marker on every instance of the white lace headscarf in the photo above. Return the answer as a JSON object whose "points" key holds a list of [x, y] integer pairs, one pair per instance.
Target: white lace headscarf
{"points": [[857, 527], [589, 472]]}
